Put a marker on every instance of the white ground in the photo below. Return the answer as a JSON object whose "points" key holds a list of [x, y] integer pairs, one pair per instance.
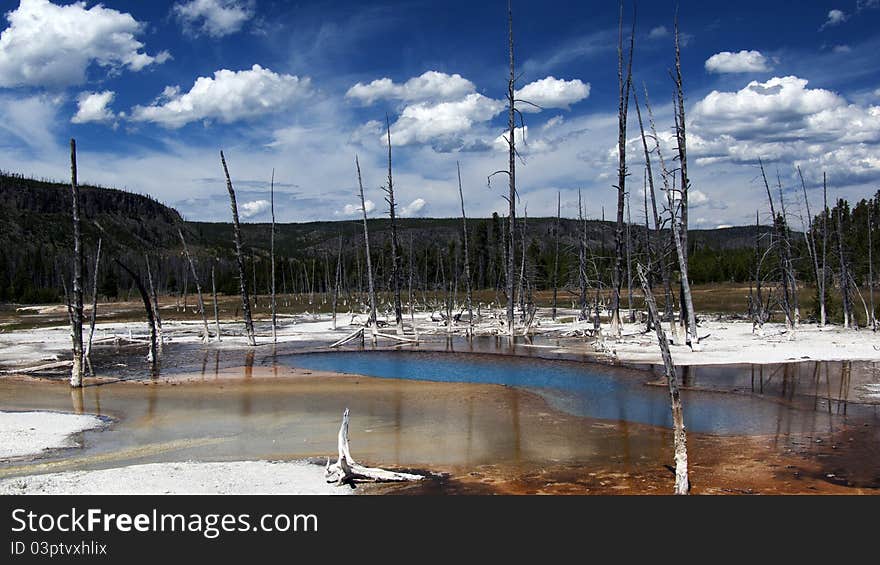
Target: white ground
{"points": [[239, 477], [727, 342], [30, 433]]}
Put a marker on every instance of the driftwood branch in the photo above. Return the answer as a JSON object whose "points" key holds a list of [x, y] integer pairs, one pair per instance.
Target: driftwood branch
{"points": [[347, 471]]}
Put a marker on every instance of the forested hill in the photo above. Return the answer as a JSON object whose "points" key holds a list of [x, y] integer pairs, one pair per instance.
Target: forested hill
{"points": [[35, 245]]}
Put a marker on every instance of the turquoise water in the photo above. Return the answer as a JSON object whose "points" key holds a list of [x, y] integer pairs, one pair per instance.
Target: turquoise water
{"points": [[586, 389]]}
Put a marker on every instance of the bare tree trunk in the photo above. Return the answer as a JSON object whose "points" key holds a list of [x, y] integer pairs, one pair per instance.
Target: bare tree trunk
{"points": [[76, 372], [373, 322], [511, 197], [810, 238], [681, 139], [412, 302], [195, 274], [153, 356], [522, 270], [157, 318], [848, 321], [624, 85], [556, 253], [337, 281], [467, 260], [395, 259], [664, 267], [272, 259], [582, 261], [871, 319], [216, 304], [629, 286], [822, 286], [682, 485], [685, 281], [236, 231], [779, 229], [94, 313]]}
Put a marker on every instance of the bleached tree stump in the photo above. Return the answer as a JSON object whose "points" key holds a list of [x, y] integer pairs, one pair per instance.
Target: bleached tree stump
{"points": [[347, 470]]}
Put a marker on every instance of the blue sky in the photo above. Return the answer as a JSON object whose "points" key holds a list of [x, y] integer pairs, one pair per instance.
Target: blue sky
{"points": [[153, 90]]}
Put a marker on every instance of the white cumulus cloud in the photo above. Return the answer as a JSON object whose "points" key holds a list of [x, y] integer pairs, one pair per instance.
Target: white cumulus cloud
{"points": [[94, 107], [835, 17], [213, 17], [51, 45], [413, 208], [431, 85], [227, 97], [784, 120], [741, 62], [425, 122], [251, 209], [551, 92], [355, 209]]}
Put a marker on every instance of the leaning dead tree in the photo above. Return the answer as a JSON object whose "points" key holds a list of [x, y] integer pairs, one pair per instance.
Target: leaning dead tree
{"points": [[654, 244], [153, 356], [395, 256], [336, 282], [216, 305], [467, 262], [93, 315], [236, 233], [682, 485], [624, 86], [157, 317], [195, 275], [373, 321], [810, 240], [76, 371], [347, 471]]}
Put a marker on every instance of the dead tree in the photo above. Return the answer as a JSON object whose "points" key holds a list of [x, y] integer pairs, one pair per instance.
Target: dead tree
{"points": [[658, 231], [624, 85], [236, 233], [93, 315], [373, 321], [153, 356], [872, 321], [556, 253], [681, 142], [216, 304], [848, 318], [682, 485], [157, 317], [76, 372], [395, 259], [629, 286], [467, 262], [687, 306], [338, 279], [810, 239], [522, 270], [781, 238], [825, 214], [195, 275], [511, 173], [272, 258], [582, 262]]}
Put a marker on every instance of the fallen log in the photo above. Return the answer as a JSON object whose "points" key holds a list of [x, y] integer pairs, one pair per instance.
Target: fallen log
{"points": [[352, 336], [38, 368], [347, 471]]}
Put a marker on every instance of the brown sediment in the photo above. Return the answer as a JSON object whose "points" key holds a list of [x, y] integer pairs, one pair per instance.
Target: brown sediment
{"points": [[477, 438]]}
